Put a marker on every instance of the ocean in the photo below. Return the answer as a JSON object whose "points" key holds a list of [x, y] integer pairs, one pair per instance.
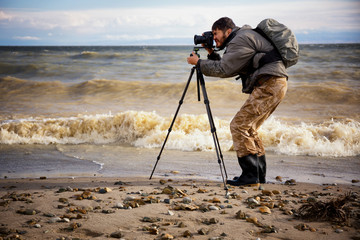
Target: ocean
{"points": [[105, 110]]}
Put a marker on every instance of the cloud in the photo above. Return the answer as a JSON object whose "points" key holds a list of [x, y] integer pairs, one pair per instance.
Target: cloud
{"points": [[143, 23], [26, 38]]}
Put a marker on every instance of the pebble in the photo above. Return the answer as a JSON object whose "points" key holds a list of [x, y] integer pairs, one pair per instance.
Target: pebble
{"points": [[119, 205], [117, 234], [167, 236], [338, 230], [187, 200], [244, 191], [129, 198], [37, 225], [252, 200], [213, 208], [170, 213], [105, 190], [167, 200], [54, 220]]}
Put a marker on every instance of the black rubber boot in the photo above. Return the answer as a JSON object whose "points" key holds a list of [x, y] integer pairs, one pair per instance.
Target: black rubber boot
{"points": [[262, 169], [250, 171]]}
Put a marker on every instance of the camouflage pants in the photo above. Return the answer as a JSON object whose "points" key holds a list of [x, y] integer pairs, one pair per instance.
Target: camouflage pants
{"points": [[257, 108]]}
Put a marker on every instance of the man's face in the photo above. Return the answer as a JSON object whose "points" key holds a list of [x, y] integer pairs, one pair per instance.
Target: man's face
{"points": [[220, 36]]}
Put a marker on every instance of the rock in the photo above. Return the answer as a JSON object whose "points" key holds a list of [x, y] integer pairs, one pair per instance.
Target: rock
{"points": [[54, 220], [278, 178], [170, 213], [104, 190], [265, 210], [151, 220], [162, 181], [117, 234], [119, 205], [276, 192], [187, 200], [65, 220], [201, 190], [129, 198], [107, 211], [187, 234], [182, 225], [240, 215], [252, 220], [37, 225], [167, 236], [216, 200], [338, 230], [267, 193], [202, 231], [214, 208], [253, 201], [63, 200], [355, 180], [290, 182]]}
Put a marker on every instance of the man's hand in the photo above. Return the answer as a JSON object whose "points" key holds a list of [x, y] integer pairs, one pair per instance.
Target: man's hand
{"points": [[193, 60]]}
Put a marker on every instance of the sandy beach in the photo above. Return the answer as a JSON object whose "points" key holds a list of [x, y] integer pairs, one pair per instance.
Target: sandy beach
{"points": [[174, 208]]}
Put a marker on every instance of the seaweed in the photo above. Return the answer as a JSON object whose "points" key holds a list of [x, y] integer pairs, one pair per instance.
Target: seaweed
{"points": [[335, 210]]}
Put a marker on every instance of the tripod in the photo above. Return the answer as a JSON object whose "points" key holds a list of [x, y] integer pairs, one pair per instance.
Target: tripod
{"points": [[200, 82]]}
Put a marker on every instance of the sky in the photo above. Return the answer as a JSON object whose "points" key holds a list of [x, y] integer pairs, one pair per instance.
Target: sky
{"points": [[167, 22]]}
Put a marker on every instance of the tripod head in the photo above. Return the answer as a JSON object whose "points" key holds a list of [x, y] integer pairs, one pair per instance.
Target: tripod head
{"points": [[196, 49]]}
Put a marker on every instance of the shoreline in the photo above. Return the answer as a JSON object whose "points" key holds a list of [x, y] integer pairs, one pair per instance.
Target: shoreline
{"points": [[52, 161], [167, 208]]}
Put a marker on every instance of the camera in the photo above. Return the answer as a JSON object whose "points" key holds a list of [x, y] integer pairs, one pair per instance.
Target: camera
{"points": [[207, 39]]}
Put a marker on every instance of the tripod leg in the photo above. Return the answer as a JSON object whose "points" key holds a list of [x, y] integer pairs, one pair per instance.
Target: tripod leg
{"points": [[212, 126], [173, 121]]}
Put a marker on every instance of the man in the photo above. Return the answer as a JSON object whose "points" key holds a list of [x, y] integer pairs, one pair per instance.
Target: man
{"points": [[266, 83]]}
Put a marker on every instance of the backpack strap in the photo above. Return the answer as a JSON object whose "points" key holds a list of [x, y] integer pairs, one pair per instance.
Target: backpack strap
{"points": [[271, 56]]}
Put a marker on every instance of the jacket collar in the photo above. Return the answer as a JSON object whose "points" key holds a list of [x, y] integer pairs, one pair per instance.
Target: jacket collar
{"points": [[229, 38]]}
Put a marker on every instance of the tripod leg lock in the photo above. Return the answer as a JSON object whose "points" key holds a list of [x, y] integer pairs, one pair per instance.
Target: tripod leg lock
{"points": [[213, 130], [181, 102], [206, 101]]}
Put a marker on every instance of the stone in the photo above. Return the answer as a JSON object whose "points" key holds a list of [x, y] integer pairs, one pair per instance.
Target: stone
{"points": [[187, 200], [202, 231], [167, 236], [267, 193], [265, 210], [278, 178], [252, 220], [117, 234], [216, 200], [338, 230], [276, 192], [37, 225], [118, 205], [104, 190], [54, 220], [213, 208], [187, 234]]}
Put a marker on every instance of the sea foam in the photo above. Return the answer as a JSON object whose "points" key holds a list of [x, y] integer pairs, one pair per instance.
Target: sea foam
{"points": [[189, 133]]}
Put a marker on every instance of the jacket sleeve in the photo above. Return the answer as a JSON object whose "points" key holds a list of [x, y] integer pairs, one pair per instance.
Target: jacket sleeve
{"points": [[237, 56]]}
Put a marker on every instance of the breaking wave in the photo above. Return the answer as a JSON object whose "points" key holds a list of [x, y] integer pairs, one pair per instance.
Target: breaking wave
{"points": [[189, 133]]}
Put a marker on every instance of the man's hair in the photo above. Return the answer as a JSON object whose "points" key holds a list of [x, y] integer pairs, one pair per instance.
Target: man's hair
{"points": [[223, 24]]}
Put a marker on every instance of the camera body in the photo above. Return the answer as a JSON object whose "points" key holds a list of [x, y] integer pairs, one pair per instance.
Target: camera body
{"points": [[207, 39]]}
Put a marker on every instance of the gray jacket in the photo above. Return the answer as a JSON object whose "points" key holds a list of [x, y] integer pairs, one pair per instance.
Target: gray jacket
{"points": [[246, 48]]}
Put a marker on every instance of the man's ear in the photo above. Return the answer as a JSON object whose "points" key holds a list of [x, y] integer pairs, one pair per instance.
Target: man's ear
{"points": [[227, 32]]}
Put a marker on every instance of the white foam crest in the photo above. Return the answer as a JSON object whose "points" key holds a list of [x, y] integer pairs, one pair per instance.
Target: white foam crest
{"points": [[189, 133], [333, 139]]}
